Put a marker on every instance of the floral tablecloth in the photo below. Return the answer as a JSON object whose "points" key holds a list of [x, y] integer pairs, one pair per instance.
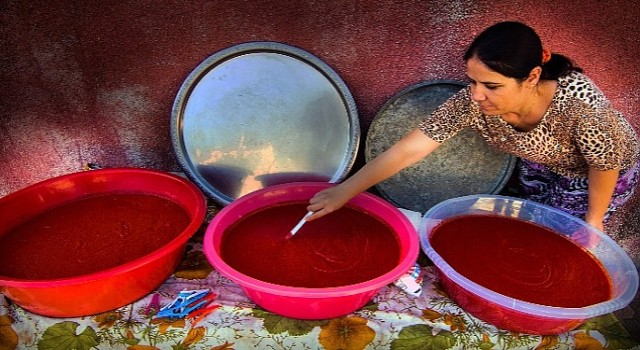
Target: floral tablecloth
{"points": [[392, 320]]}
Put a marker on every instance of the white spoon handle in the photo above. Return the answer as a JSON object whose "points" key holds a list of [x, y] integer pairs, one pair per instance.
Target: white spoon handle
{"points": [[300, 223]]}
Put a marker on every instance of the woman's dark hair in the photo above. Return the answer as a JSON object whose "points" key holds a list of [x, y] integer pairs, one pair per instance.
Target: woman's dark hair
{"points": [[513, 49]]}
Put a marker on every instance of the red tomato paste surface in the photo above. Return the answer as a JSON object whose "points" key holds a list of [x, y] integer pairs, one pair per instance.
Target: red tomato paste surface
{"points": [[90, 235], [346, 247], [522, 260]]}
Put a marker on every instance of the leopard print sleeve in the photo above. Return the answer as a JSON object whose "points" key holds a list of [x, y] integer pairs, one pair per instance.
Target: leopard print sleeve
{"points": [[606, 141], [449, 118], [605, 138]]}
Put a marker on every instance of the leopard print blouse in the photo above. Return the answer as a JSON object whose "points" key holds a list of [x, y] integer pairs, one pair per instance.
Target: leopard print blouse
{"points": [[580, 129]]}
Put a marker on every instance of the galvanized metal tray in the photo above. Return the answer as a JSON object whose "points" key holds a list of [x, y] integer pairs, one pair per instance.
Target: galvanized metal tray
{"points": [[463, 165], [263, 113]]}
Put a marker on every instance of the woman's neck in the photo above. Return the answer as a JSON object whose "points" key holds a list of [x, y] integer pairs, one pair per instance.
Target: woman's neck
{"points": [[541, 100]]}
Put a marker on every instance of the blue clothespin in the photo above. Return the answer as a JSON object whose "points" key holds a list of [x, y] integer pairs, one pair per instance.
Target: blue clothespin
{"points": [[185, 303]]}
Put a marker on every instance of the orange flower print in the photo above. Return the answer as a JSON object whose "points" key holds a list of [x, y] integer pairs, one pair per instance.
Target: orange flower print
{"points": [[586, 342], [8, 337], [455, 322], [193, 336], [142, 347], [165, 323], [547, 342], [107, 319], [431, 314], [225, 346], [348, 333]]}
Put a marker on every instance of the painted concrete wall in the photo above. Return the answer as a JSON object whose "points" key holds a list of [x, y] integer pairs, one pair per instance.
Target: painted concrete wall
{"points": [[85, 81]]}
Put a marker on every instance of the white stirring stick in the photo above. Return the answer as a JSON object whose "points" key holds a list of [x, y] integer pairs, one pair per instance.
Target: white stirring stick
{"points": [[299, 225], [295, 229]]}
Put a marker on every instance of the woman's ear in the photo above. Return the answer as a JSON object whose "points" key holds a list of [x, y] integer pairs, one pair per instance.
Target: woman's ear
{"points": [[534, 76]]}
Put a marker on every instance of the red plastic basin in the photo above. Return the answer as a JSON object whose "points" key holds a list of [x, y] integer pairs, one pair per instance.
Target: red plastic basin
{"points": [[309, 303], [518, 315], [114, 287]]}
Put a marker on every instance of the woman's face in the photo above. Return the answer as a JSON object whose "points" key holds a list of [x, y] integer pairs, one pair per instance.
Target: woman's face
{"points": [[495, 93]]}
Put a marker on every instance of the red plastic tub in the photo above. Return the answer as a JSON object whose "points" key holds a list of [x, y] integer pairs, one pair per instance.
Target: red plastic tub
{"points": [[518, 315], [114, 287], [309, 303]]}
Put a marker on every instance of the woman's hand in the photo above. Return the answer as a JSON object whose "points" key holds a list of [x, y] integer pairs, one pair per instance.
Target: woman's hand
{"points": [[328, 200], [410, 149]]}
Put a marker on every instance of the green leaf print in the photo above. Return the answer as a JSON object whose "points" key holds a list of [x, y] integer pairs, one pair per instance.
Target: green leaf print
{"points": [[421, 336], [617, 337], [275, 324], [371, 306], [63, 336], [486, 346]]}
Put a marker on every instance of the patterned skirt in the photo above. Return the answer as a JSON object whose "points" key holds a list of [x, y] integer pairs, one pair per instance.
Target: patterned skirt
{"points": [[539, 184]]}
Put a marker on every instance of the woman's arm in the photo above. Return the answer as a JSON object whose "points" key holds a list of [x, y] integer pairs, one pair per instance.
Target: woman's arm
{"points": [[602, 183], [410, 149]]}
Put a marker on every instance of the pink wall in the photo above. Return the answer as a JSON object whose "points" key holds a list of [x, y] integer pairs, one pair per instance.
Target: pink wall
{"points": [[84, 81]]}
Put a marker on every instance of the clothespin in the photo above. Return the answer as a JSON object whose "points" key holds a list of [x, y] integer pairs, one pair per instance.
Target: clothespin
{"points": [[199, 315], [186, 302]]}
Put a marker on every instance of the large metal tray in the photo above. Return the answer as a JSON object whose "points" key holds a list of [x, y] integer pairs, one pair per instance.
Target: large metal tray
{"points": [[463, 165], [263, 113]]}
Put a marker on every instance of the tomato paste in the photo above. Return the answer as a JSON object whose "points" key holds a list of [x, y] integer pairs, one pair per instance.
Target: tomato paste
{"points": [[90, 235], [345, 247], [522, 260]]}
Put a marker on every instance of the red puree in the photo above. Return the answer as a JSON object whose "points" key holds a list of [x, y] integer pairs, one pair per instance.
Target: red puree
{"points": [[90, 235], [346, 247], [522, 260]]}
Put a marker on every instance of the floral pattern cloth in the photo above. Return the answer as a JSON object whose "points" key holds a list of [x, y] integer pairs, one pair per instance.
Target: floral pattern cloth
{"points": [[392, 320]]}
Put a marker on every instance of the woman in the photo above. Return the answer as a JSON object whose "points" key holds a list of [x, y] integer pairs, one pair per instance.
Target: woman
{"points": [[576, 152]]}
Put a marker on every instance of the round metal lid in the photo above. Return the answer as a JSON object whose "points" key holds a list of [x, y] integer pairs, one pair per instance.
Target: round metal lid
{"points": [[463, 165], [263, 113]]}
